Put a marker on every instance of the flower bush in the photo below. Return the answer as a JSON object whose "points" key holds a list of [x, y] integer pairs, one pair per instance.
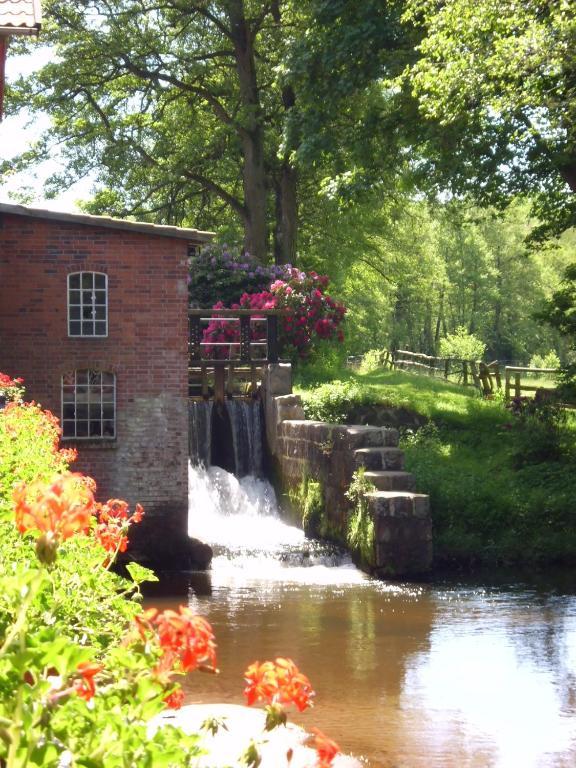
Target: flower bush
{"points": [[227, 274], [83, 669], [308, 314]]}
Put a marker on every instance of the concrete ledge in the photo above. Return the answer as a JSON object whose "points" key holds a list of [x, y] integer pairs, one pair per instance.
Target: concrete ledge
{"points": [[244, 724]]}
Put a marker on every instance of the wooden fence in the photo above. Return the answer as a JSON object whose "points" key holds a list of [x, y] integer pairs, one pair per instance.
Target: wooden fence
{"points": [[483, 376], [486, 377], [219, 369], [515, 385]]}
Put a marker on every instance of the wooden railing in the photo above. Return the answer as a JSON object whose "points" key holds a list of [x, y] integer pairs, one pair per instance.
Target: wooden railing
{"points": [[484, 376], [222, 369], [515, 386]]}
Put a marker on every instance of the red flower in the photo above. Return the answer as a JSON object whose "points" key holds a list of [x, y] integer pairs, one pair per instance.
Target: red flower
{"points": [[175, 699], [62, 508], [278, 682], [186, 640], [113, 523], [85, 686], [326, 749]]}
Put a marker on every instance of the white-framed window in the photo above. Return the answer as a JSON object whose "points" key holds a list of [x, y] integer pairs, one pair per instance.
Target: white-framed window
{"points": [[89, 405], [87, 304]]}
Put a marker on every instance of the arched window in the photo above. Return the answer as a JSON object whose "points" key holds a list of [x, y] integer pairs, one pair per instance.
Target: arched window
{"points": [[87, 304], [89, 405]]}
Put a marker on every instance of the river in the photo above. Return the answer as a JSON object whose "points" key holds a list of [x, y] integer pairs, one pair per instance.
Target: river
{"points": [[451, 673]]}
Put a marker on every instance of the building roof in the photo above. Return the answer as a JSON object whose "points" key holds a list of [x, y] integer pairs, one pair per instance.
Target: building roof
{"points": [[20, 17], [162, 230]]}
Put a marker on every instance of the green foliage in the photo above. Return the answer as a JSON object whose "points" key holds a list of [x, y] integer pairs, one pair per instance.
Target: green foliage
{"points": [[360, 529], [373, 360], [462, 345], [547, 360], [222, 274], [483, 81], [332, 402], [309, 499]]}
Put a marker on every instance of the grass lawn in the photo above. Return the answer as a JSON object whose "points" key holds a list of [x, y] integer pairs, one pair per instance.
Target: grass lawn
{"points": [[502, 488]]}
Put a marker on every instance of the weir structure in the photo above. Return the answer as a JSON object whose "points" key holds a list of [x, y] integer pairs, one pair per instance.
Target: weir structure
{"points": [[244, 418]]}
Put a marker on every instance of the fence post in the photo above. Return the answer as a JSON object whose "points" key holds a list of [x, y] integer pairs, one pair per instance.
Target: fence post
{"points": [[517, 384], [446, 368], [195, 337], [272, 338]]}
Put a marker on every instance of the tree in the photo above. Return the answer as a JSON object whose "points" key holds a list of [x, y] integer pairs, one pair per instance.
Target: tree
{"points": [[172, 106], [497, 81]]}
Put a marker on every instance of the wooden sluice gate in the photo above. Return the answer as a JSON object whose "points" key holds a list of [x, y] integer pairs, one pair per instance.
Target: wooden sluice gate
{"points": [[229, 350]]}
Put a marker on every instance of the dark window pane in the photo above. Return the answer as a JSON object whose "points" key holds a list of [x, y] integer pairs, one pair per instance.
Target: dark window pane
{"points": [[100, 281], [96, 428], [81, 377], [74, 313], [87, 313], [81, 411], [68, 411], [100, 297], [107, 378], [100, 313], [108, 429], [74, 329], [88, 329], [87, 297], [68, 429], [108, 411], [108, 394], [82, 429], [68, 394], [74, 297], [87, 280], [101, 328], [95, 377], [95, 412], [69, 379], [74, 281]]}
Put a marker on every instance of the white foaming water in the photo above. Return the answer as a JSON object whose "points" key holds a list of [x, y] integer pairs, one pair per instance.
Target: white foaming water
{"points": [[239, 518]]}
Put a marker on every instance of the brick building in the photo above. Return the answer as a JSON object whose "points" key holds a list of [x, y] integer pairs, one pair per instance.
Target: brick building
{"points": [[93, 316]]}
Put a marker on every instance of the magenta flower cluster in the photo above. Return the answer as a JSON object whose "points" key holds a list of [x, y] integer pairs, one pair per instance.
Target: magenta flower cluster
{"points": [[308, 314]]}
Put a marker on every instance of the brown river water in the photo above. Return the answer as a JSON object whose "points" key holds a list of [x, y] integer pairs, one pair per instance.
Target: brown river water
{"points": [[407, 675]]}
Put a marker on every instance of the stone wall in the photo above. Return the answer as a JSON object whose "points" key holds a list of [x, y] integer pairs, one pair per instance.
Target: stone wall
{"points": [[328, 455]]}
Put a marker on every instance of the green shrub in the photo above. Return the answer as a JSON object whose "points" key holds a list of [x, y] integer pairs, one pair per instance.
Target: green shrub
{"points": [[373, 360], [547, 360], [462, 345], [360, 530], [333, 401]]}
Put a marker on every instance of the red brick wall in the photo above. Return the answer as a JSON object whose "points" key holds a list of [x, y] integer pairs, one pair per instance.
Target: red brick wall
{"points": [[146, 347]]}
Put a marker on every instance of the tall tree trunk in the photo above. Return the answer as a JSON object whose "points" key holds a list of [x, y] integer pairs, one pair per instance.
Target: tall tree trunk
{"points": [[252, 135], [287, 215]]}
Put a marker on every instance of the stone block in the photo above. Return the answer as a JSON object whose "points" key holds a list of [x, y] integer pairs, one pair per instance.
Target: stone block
{"points": [[376, 459], [278, 379]]}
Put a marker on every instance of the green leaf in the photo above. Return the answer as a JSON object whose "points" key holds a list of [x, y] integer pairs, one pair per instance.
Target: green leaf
{"points": [[139, 573]]}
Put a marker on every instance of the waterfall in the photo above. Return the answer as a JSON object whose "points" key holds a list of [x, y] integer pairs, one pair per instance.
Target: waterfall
{"points": [[246, 422], [228, 435], [200, 431], [240, 519]]}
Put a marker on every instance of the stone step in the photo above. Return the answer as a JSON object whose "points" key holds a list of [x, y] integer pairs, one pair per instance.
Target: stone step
{"points": [[399, 504], [377, 459], [386, 480]]}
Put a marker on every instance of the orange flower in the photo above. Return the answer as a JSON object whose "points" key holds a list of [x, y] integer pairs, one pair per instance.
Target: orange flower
{"points": [[278, 682], [326, 749], [175, 699], [85, 686], [113, 523], [185, 640], [63, 507]]}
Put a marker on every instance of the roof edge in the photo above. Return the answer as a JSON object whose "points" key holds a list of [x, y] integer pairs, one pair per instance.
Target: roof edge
{"points": [[161, 230]]}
